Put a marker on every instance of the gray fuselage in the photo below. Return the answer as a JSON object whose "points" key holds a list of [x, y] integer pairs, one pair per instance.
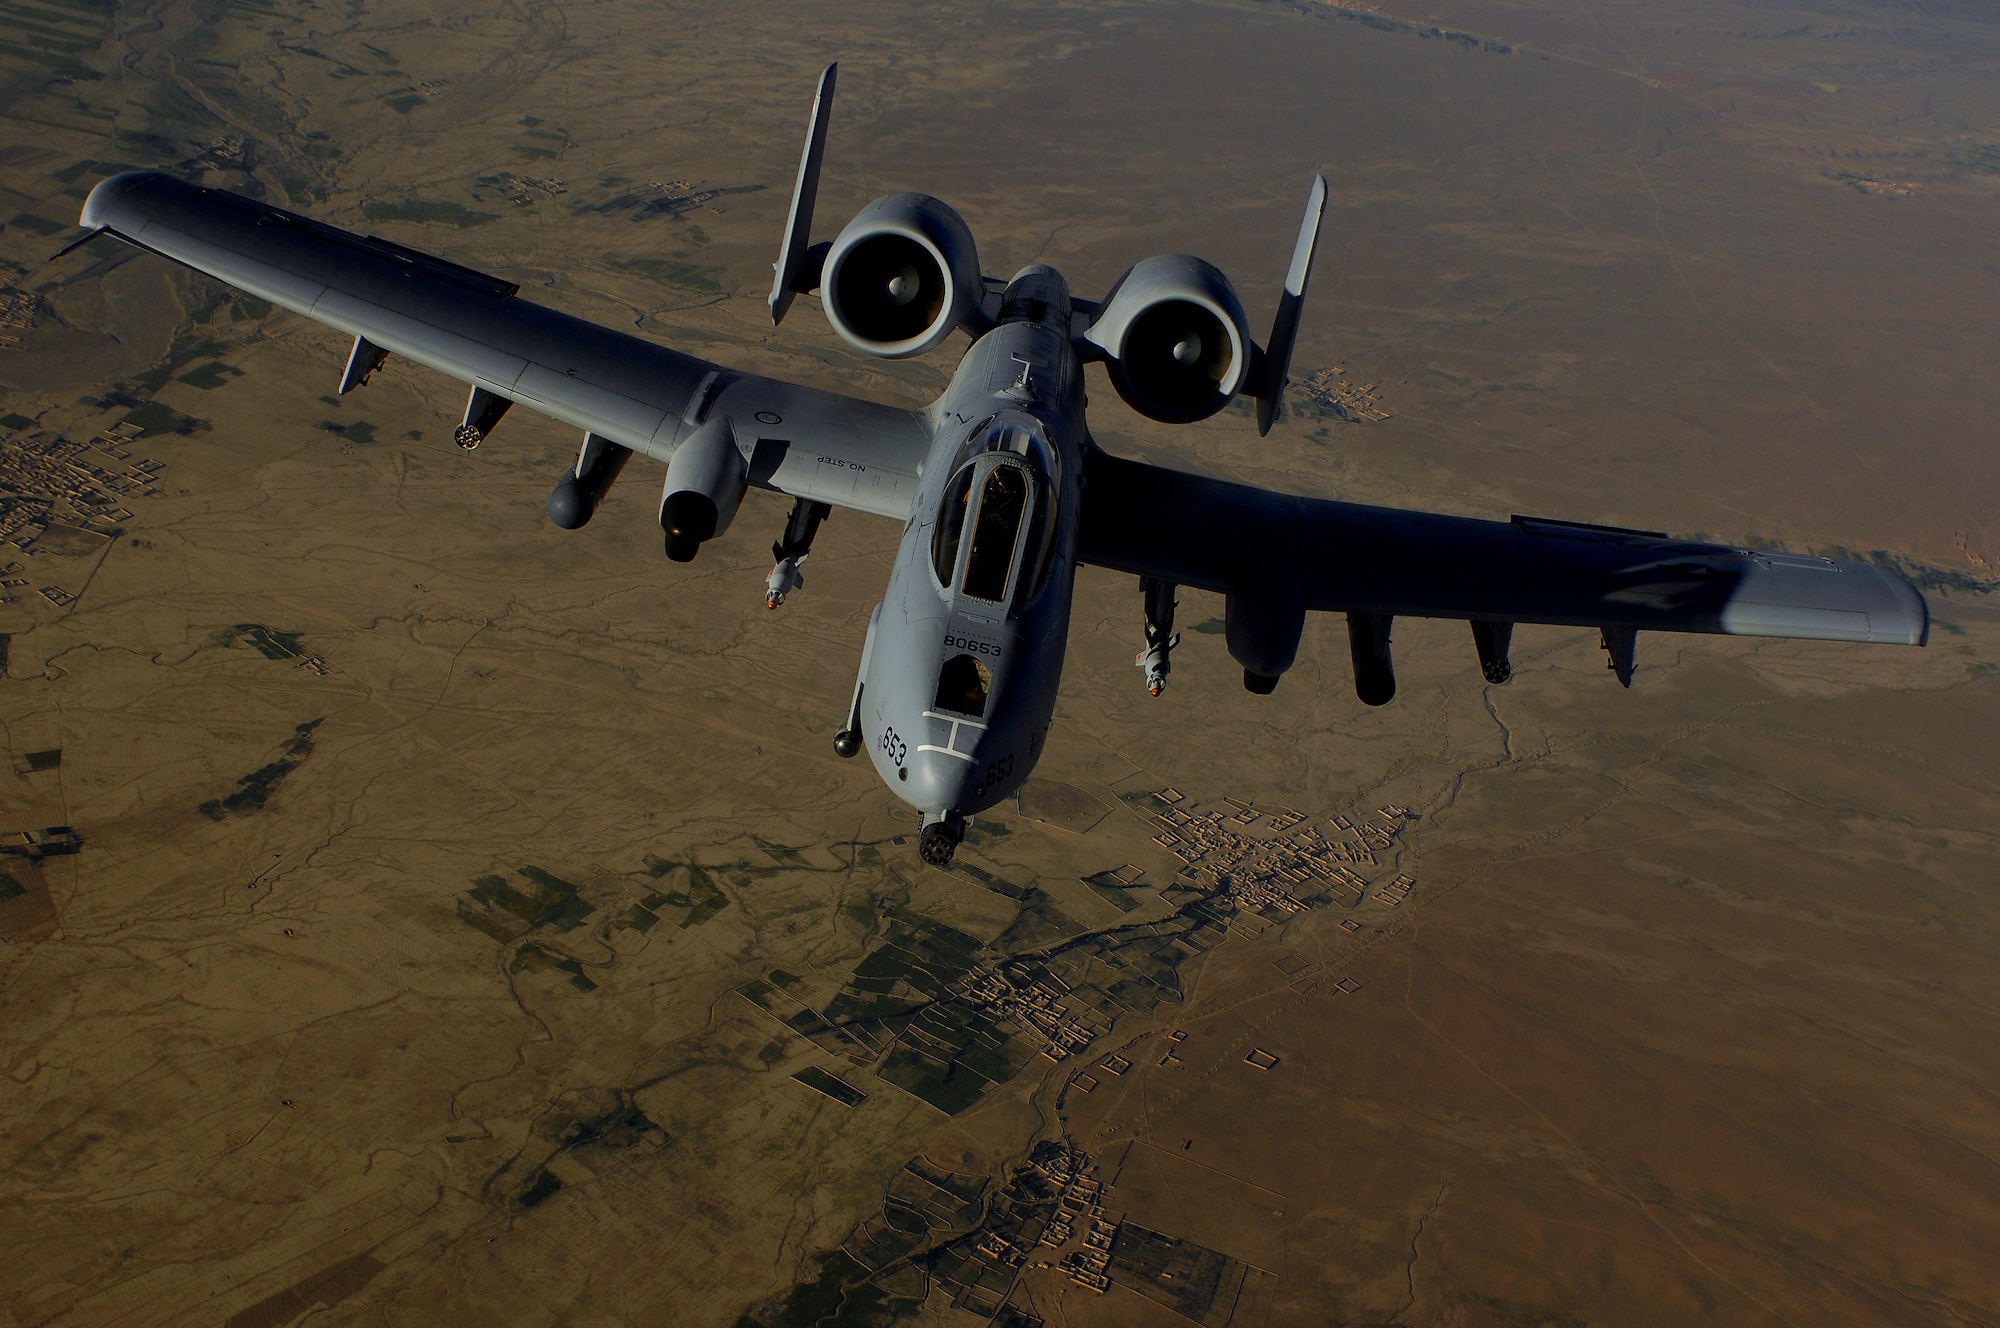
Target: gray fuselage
{"points": [[964, 655]]}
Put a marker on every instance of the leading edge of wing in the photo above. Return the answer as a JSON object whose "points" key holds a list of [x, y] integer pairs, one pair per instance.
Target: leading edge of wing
{"points": [[1229, 537], [475, 328]]}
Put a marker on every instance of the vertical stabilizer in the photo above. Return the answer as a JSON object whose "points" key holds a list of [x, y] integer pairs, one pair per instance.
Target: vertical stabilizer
{"points": [[797, 266], [1277, 360]]}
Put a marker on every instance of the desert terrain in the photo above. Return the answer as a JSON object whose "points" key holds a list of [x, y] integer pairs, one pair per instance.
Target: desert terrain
{"points": [[411, 913]]}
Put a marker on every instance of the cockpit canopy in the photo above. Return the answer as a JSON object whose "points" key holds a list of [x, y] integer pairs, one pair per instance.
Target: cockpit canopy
{"points": [[995, 531]]}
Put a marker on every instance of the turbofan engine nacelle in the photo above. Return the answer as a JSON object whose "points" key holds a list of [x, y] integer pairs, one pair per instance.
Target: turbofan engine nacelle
{"points": [[1175, 339], [901, 276]]}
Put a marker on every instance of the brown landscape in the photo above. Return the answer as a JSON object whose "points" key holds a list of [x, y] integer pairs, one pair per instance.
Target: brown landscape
{"points": [[411, 913]]}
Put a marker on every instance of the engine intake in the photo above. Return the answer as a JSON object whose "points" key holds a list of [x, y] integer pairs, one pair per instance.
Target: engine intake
{"points": [[1177, 343], [901, 276]]}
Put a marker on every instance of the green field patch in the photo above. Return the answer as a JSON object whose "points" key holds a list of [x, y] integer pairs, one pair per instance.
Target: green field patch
{"points": [[951, 1056], [1981, 157], [999, 885], [535, 958], [260, 785], [427, 213], [481, 919], [211, 375], [967, 1189], [47, 760], [825, 1081], [49, 63], [1179, 1274], [156, 417], [16, 422], [187, 350], [920, 961], [1112, 891], [670, 272], [561, 905], [28, 221], [265, 641], [788, 857], [179, 358], [967, 1274], [840, 1296], [355, 431], [47, 37], [675, 203], [55, 841], [983, 832], [640, 919], [1040, 923], [540, 1188], [697, 897], [506, 911]]}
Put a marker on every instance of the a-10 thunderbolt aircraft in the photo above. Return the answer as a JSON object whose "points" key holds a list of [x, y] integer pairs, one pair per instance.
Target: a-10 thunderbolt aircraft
{"points": [[1001, 491]]}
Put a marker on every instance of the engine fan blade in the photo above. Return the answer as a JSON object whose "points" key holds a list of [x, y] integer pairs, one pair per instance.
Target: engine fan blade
{"points": [[1277, 361]]}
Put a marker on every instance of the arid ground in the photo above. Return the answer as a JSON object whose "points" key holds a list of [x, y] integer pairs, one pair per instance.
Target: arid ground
{"points": [[411, 913]]}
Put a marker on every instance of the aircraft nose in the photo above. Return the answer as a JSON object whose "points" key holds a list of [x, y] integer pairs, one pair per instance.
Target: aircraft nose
{"points": [[937, 782]]}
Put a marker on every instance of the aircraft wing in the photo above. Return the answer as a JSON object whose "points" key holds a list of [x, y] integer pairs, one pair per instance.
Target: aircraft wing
{"points": [[477, 329], [1237, 539]]}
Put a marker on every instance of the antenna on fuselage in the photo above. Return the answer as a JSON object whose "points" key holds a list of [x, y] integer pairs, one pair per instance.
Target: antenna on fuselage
{"points": [[800, 260], [1269, 388]]}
